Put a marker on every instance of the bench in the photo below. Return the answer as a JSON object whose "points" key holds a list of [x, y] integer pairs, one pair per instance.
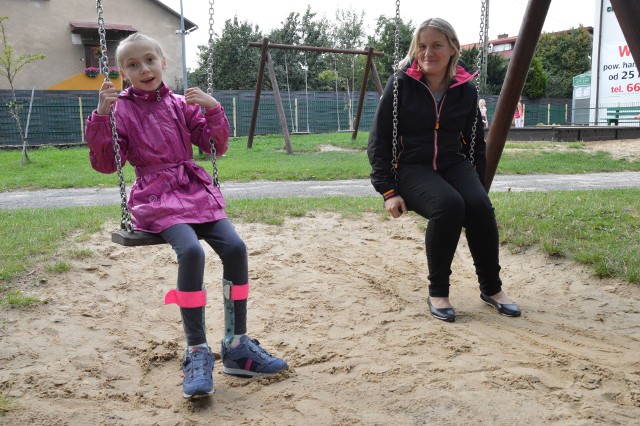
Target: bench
{"points": [[622, 114]]}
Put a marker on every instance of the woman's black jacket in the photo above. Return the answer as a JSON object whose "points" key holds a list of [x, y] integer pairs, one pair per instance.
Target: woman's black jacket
{"points": [[437, 135]]}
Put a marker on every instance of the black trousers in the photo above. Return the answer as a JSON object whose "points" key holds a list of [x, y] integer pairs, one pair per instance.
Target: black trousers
{"points": [[452, 199], [225, 241]]}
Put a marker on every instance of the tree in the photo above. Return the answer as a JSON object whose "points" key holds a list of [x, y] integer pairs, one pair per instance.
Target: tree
{"points": [[564, 55], [315, 32], [296, 31], [535, 86], [496, 72], [349, 34], [496, 69], [10, 66], [384, 41], [234, 64]]}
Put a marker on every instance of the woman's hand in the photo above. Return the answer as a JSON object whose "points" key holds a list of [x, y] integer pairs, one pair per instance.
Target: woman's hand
{"points": [[107, 96], [194, 95], [395, 206]]}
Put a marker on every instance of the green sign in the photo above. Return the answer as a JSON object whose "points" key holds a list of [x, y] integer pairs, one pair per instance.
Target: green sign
{"points": [[582, 80]]}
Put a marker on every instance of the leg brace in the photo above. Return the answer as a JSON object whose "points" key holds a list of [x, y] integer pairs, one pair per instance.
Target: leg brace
{"points": [[232, 293]]}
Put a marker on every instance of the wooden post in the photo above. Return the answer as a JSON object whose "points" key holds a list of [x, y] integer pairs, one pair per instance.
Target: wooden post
{"points": [[628, 15], [256, 99], [297, 118], [525, 47], [81, 118], [376, 78], [235, 117], [363, 90], [279, 106]]}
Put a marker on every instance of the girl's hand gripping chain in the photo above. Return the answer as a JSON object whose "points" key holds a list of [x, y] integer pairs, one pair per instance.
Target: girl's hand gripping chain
{"points": [[107, 96], [194, 95]]}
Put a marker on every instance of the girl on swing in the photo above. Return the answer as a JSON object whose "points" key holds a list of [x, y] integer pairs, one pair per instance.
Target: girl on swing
{"points": [[175, 197], [436, 111]]}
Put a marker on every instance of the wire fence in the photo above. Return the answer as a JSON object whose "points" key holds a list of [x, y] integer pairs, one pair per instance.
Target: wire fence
{"points": [[58, 118]]}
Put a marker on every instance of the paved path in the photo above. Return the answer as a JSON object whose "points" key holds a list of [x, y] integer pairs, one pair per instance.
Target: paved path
{"points": [[357, 188]]}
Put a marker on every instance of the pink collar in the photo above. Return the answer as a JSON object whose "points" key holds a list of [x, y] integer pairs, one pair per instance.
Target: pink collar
{"points": [[462, 76], [143, 94]]}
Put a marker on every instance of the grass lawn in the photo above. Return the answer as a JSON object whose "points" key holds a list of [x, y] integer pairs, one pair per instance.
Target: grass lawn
{"points": [[598, 228], [327, 156]]}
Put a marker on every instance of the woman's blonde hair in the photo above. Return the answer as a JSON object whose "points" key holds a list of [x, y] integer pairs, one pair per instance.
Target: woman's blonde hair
{"points": [[445, 28], [133, 38]]}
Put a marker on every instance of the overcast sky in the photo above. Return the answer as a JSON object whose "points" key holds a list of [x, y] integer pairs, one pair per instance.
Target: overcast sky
{"points": [[505, 16]]}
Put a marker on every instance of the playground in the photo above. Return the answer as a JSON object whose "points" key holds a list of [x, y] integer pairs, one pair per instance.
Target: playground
{"points": [[362, 347], [344, 301]]}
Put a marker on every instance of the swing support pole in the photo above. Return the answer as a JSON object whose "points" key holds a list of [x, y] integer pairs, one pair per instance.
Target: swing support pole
{"points": [[628, 14], [525, 47], [363, 89]]}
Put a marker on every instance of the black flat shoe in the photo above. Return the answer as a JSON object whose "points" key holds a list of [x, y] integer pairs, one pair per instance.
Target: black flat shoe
{"points": [[445, 314], [507, 309]]}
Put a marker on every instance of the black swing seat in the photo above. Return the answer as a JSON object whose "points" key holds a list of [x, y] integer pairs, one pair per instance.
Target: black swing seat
{"points": [[136, 238]]}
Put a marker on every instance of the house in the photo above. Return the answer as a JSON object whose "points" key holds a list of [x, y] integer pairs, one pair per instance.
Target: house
{"points": [[504, 45], [66, 31]]}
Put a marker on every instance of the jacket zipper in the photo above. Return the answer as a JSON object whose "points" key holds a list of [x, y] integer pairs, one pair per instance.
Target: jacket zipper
{"points": [[435, 131]]}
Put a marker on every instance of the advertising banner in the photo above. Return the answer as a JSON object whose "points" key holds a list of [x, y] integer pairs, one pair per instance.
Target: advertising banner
{"points": [[616, 81]]}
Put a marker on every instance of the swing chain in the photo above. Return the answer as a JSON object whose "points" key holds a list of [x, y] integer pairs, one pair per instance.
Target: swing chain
{"points": [[396, 60], [479, 58], [125, 218], [214, 163]]}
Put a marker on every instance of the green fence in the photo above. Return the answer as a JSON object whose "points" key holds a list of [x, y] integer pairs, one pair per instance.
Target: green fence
{"points": [[58, 119], [536, 114]]}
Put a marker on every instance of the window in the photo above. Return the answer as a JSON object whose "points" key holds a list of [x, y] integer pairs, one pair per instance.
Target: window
{"points": [[92, 55], [502, 47]]}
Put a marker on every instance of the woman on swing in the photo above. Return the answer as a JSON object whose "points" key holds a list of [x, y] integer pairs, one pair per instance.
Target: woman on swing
{"points": [[437, 111], [175, 197]]}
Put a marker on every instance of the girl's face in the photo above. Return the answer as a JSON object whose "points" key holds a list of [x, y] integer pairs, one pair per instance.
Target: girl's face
{"points": [[434, 53], [142, 65]]}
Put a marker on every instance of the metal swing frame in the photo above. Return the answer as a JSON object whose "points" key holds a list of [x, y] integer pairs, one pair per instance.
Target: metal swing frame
{"points": [[126, 235]]}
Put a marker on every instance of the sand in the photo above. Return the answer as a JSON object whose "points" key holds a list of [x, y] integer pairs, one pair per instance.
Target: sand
{"points": [[344, 301]]}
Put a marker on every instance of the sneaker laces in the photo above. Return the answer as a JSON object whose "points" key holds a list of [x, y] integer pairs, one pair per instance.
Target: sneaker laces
{"points": [[259, 350], [196, 363]]}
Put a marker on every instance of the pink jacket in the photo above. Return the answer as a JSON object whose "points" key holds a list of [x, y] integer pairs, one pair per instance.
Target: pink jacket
{"points": [[156, 131]]}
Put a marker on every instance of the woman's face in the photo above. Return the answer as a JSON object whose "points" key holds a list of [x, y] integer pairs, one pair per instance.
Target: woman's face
{"points": [[434, 53]]}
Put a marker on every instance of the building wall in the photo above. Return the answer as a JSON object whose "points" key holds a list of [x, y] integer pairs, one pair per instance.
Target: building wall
{"points": [[42, 26]]}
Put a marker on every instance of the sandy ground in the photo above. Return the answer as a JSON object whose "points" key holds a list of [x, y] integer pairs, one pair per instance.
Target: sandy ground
{"points": [[344, 301], [628, 149]]}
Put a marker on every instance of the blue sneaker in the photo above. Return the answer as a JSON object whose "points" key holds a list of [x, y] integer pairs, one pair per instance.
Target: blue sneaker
{"points": [[197, 364], [249, 359]]}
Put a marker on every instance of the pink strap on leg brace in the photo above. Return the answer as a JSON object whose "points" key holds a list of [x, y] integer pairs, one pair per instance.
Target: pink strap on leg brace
{"points": [[186, 299], [239, 292]]}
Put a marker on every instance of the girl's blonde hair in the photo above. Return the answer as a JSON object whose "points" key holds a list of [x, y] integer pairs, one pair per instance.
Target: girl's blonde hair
{"points": [[133, 38], [445, 28], [482, 102]]}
